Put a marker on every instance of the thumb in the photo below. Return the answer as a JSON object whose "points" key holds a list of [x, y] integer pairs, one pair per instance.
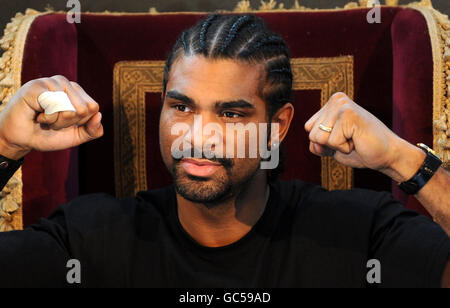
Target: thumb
{"points": [[47, 118], [93, 129]]}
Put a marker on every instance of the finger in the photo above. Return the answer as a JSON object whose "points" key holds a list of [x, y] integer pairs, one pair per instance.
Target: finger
{"points": [[93, 129], [328, 118], [337, 139], [81, 91], [47, 118], [321, 150], [53, 120], [32, 90], [92, 105], [84, 120], [83, 110], [337, 96], [76, 98], [351, 159], [310, 123]]}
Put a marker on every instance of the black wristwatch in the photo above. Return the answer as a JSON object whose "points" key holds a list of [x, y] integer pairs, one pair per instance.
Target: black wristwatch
{"points": [[426, 171]]}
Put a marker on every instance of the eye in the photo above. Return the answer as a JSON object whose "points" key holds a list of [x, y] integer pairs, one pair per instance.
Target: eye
{"points": [[182, 108], [229, 114]]}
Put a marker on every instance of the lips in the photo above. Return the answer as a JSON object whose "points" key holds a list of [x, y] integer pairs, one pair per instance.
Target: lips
{"points": [[199, 167]]}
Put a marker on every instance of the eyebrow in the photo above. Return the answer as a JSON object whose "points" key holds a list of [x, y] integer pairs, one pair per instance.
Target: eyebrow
{"points": [[240, 103], [181, 97]]}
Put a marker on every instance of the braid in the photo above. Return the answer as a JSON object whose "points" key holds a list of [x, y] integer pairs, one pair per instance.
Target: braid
{"points": [[183, 40], [270, 40], [281, 70], [250, 28], [233, 30], [248, 39], [204, 30]]}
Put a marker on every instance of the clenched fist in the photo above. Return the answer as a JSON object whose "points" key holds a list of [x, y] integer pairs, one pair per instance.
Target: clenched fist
{"points": [[25, 127], [356, 138]]}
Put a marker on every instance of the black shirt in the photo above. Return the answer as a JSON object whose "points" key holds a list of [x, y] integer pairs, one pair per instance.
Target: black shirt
{"points": [[306, 237]]}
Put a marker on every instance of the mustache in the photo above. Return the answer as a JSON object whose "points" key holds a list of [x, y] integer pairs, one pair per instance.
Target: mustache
{"points": [[227, 163]]}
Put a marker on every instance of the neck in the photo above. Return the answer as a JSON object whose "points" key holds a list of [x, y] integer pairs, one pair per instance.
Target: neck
{"points": [[229, 221]]}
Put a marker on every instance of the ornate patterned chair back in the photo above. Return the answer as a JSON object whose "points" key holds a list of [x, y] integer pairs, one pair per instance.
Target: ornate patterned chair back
{"points": [[395, 69]]}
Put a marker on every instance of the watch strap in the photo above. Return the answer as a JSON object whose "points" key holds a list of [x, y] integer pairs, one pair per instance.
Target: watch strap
{"points": [[423, 175]]}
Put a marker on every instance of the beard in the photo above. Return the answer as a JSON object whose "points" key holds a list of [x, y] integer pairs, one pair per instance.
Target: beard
{"points": [[200, 190], [208, 191], [214, 190]]}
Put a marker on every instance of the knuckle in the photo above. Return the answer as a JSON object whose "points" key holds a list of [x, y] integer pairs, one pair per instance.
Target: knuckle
{"points": [[67, 115], [60, 78], [307, 126], [342, 102], [338, 95], [347, 111], [74, 84], [319, 137], [35, 86], [322, 139], [93, 106], [333, 142], [82, 111], [35, 82], [312, 135]]}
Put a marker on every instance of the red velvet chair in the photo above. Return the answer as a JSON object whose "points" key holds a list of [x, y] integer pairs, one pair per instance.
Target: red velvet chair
{"points": [[395, 69]]}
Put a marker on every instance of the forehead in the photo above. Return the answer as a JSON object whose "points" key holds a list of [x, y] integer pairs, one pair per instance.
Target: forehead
{"points": [[210, 79]]}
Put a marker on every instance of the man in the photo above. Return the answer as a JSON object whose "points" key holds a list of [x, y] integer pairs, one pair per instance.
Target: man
{"points": [[226, 222]]}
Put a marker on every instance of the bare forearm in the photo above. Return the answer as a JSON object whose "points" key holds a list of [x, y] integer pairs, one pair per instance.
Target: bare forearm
{"points": [[434, 196]]}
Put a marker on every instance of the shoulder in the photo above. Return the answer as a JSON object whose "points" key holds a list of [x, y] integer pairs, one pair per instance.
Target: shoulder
{"points": [[357, 208], [299, 193], [101, 209]]}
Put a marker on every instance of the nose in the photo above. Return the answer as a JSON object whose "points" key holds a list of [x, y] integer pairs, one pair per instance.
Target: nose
{"points": [[206, 135]]}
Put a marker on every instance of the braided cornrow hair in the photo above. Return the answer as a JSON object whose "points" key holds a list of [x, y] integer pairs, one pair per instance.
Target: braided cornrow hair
{"points": [[244, 38]]}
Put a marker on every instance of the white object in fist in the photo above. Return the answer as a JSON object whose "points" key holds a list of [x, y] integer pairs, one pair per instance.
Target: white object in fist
{"points": [[55, 101]]}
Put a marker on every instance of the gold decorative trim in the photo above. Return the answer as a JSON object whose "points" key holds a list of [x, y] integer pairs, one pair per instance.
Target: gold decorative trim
{"points": [[244, 6], [132, 79], [13, 43], [329, 75], [439, 30]]}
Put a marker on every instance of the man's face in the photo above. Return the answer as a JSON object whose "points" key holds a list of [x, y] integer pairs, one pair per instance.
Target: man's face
{"points": [[221, 92]]}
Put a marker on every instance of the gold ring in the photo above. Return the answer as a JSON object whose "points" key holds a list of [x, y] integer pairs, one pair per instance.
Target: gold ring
{"points": [[325, 128]]}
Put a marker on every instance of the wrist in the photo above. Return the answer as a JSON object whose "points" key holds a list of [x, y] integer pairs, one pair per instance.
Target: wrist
{"points": [[11, 151], [408, 160]]}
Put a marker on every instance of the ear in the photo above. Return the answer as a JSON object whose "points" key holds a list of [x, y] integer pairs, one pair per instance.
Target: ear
{"points": [[283, 117]]}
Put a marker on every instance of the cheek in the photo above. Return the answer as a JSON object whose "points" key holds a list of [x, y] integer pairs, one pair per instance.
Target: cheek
{"points": [[165, 138], [244, 168]]}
